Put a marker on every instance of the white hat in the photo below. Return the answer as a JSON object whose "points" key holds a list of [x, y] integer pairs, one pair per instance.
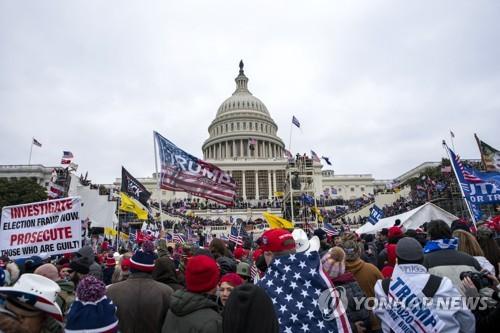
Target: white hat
{"points": [[37, 291], [303, 244]]}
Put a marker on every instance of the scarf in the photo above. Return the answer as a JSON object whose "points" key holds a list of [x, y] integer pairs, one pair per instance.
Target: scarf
{"points": [[441, 244]]}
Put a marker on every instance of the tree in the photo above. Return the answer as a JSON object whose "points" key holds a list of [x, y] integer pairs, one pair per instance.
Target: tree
{"points": [[24, 190]]}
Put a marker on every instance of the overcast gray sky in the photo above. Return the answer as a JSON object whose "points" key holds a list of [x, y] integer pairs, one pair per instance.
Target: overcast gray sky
{"points": [[376, 84]]}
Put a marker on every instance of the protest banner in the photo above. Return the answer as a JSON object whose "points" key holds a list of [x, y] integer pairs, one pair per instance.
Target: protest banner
{"points": [[52, 227]]}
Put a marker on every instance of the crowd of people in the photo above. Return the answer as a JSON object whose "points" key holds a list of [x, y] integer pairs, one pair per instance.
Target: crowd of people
{"points": [[275, 284]]}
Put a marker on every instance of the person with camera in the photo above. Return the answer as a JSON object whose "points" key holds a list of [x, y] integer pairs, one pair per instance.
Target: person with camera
{"points": [[486, 309]]}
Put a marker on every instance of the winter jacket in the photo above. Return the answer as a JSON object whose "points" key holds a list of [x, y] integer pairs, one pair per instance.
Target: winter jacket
{"points": [[450, 263], [66, 296], [164, 272], [107, 274], [142, 303], [352, 291], [88, 256], [461, 320], [366, 275], [192, 313]]}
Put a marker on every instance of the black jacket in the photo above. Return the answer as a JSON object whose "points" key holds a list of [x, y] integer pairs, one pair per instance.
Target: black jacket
{"points": [[192, 313]]}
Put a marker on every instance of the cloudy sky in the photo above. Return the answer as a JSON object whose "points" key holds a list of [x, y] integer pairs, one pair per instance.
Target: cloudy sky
{"points": [[376, 84]]}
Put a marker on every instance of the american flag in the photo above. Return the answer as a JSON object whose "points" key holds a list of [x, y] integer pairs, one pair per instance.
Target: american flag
{"points": [[468, 176], [252, 142], [254, 272], [298, 287], [315, 156], [235, 236], [179, 238], [181, 171], [36, 142], [295, 121], [288, 154], [330, 230]]}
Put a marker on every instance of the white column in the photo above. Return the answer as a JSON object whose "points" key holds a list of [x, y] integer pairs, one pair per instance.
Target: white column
{"points": [[274, 181], [226, 155], [257, 184], [241, 148], [269, 185], [234, 148], [243, 180]]}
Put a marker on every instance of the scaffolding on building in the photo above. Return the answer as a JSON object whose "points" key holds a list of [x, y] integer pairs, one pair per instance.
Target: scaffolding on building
{"points": [[298, 187]]}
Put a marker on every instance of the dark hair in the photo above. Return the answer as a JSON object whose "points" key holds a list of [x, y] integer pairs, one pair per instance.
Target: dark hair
{"points": [[249, 309], [397, 222], [438, 229], [411, 233], [491, 251], [384, 231]]}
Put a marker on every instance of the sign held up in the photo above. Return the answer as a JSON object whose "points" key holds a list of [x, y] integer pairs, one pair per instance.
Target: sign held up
{"points": [[52, 227]]}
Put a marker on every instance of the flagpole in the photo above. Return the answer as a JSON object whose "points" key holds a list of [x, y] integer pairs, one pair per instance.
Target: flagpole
{"points": [[290, 173], [459, 184], [158, 181], [31, 150]]}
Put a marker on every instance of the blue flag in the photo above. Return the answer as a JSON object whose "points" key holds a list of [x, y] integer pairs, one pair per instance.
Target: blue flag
{"points": [[376, 213], [478, 187]]}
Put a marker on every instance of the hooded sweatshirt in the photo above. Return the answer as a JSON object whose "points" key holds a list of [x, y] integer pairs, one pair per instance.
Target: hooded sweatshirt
{"points": [[66, 296], [164, 272], [367, 275], [192, 313], [88, 257]]}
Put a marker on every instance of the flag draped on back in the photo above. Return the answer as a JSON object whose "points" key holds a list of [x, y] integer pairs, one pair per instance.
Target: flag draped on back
{"points": [[133, 188], [303, 297], [181, 171], [489, 155], [276, 222]]}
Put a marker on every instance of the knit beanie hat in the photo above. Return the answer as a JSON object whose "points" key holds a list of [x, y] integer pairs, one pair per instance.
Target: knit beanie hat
{"points": [[202, 274], [395, 233], [80, 265], [92, 311], [337, 267], [110, 261], [232, 278], [249, 309], [351, 249], [49, 271], [143, 259], [239, 252]]}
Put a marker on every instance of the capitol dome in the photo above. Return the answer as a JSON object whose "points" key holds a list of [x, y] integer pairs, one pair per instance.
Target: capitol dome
{"points": [[242, 128]]}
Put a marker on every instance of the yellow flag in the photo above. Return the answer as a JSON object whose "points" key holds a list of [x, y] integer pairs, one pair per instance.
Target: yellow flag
{"points": [[276, 222], [131, 205], [109, 231], [279, 194]]}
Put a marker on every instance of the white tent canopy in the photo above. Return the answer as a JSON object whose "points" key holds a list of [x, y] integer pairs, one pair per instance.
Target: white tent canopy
{"points": [[411, 219]]}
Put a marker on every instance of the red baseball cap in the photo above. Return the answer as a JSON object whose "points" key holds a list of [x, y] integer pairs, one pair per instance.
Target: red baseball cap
{"points": [[395, 232], [276, 240], [240, 252]]}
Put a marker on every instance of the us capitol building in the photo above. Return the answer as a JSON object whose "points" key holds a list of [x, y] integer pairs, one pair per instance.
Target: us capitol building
{"points": [[243, 141]]}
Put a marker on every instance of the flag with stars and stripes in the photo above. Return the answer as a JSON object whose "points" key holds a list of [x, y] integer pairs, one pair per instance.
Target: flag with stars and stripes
{"points": [[235, 236], [179, 238], [297, 287], [330, 230]]}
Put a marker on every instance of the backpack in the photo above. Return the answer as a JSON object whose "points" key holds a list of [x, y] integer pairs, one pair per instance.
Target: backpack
{"points": [[429, 290]]}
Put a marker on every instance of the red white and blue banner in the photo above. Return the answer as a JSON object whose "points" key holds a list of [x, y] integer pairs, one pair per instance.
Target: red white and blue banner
{"points": [[181, 171]]}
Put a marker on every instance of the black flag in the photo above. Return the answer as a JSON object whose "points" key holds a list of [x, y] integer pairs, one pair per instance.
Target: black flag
{"points": [[133, 188]]}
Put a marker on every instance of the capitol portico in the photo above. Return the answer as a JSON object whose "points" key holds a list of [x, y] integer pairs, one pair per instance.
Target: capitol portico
{"points": [[243, 141]]}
